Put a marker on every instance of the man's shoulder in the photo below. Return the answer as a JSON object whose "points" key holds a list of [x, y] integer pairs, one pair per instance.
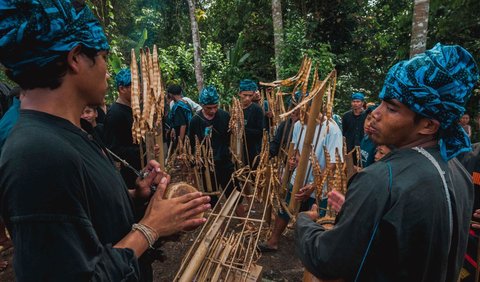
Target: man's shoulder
{"points": [[117, 111], [37, 141], [347, 114], [223, 114]]}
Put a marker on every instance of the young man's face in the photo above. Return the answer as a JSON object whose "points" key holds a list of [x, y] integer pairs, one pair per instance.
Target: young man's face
{"points": [[94, 83], [246, 98], [382, 150], [357, 104], [366, 125], [465, 119], [210, 110], [89, 114], [393, 124], [125, 92]]}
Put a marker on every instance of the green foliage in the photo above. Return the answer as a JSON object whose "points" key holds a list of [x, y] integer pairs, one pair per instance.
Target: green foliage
{"points": [[176, 63], [361, 39]]}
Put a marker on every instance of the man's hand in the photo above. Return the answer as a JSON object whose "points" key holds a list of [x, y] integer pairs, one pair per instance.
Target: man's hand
{"points": [[336, 200], [305, 192], [170, 216], [312, 213], [155, 174], [476, 215]]}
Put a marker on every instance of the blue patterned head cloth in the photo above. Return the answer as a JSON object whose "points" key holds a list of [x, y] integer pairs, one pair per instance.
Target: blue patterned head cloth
{"points": [[36, 32], [436, 85], [123, 78], [248, 85], [358, 96], [209, 95]]}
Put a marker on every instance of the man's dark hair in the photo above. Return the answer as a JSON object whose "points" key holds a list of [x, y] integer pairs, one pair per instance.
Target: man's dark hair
{"points": [[48, 76], [174, 89]]}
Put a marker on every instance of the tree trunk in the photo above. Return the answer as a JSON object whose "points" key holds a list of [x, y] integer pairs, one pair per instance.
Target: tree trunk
{"points": [[418, 41], [277, 33], [197, 57]]}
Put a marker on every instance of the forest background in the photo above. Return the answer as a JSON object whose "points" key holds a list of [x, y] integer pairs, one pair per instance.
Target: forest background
{"points": [[361, 39]]}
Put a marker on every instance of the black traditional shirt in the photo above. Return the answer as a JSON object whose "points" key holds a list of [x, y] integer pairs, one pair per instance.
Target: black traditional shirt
{"points": [[394, 225], [64, 204]]}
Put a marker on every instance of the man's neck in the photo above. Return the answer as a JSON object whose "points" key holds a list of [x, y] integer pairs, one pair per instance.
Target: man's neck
{"points": [[58, 102], [424, 142], [123, 101], [208, 117], [358, 111]]}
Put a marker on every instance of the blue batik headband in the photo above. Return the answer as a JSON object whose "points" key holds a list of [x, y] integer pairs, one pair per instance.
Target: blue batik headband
{"points": [[123, 78], [209, 95], [358, 96], [436, 85], [248, 85], [36, 32]]}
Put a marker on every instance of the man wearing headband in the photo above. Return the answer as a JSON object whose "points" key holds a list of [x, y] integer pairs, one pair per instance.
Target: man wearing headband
{"points": [[405, 217], [353, 120], [254, 118], [118, 127], [212, 122], [69, 213]]}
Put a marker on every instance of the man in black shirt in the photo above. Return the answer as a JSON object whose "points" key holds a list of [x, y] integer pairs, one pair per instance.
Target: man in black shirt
{"points": [[69, 213], [118, 128], [212, 122], [405, 217], [254, 117], [352, 122]]}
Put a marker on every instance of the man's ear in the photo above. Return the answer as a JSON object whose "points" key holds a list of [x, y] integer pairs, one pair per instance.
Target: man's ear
{"points": [[73, 58], [429, 126]]}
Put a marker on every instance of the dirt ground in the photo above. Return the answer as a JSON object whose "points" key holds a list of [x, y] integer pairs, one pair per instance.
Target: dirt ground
{"points": [[282, 265]]}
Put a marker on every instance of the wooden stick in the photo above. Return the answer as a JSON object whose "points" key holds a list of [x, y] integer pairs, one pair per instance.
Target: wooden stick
{"points": [[191, 269], [302, 166], [150, 144]]}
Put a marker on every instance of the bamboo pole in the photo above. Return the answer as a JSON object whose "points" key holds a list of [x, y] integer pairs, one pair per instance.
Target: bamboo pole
{"points": [[150, 145], [208, 178], [159, 142], [304, 156], [191, 269]]}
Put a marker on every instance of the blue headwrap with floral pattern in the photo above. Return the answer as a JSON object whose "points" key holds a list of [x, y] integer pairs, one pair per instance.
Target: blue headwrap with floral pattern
{"points": [[36, 32], [248, 85], [123, 78], [209, 95], [436, 85]]}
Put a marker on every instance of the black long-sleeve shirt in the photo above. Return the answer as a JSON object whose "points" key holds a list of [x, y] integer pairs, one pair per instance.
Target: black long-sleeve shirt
{"points": [[220, 136], [352, 128], [64, 204], [254, 118], [281, 138], [118, 138], [402, 197]]}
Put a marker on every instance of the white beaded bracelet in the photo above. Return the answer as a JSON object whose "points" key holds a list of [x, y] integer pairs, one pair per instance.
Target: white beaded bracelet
{"points": [[150, 234]]}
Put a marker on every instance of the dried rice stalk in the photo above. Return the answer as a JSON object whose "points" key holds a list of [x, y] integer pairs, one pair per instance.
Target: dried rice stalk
{"points": [[136, 133]]}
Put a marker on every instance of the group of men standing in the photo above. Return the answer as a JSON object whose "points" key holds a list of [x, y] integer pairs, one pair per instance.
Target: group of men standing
{"points": [[404, 218]]}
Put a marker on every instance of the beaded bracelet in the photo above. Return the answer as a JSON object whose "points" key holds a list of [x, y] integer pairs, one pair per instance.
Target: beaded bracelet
{"points": [[150, 234]]}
